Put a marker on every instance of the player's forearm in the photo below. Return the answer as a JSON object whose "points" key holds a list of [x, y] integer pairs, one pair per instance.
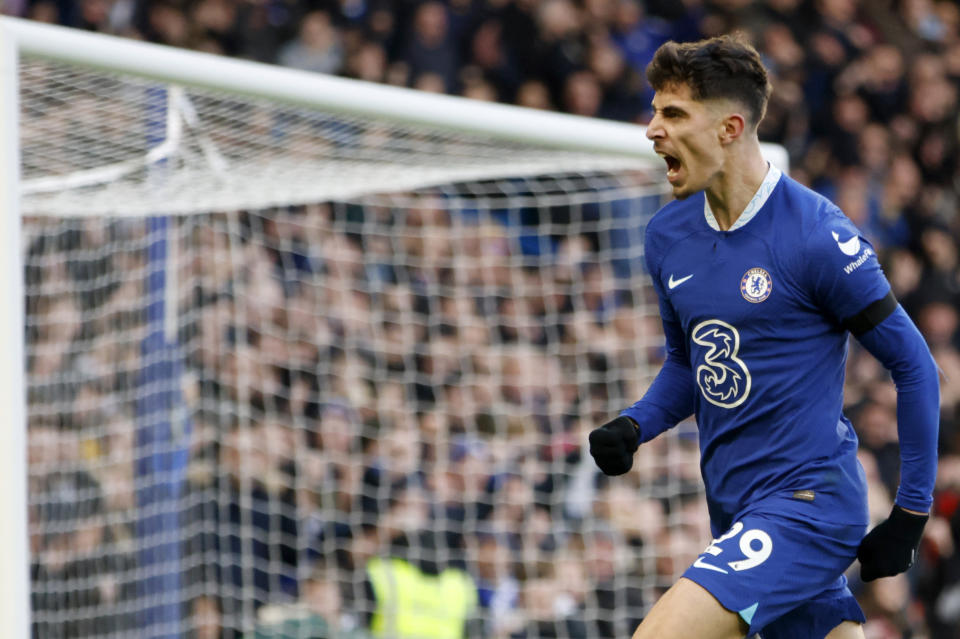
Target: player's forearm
{"points": [[918, 417], [668, 401], [898, 345]]}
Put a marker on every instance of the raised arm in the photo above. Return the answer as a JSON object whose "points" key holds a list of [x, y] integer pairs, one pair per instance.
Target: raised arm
{"points": [[669, 399]]}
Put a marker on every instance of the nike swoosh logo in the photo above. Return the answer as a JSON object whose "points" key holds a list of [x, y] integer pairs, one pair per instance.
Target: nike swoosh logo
{"points": [[699, 563], [851, 247], [672, 283]]}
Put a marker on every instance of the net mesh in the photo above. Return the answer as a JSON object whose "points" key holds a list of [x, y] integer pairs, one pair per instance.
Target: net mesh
{"points": [[201, 150], [356, 341]]}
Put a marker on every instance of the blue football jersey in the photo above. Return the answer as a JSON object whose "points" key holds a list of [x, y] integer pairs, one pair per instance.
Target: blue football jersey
{"points": [[761, 307]]}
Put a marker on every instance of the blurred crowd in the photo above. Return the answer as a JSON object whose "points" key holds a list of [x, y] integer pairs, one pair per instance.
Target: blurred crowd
{"points": [[396, 379]]}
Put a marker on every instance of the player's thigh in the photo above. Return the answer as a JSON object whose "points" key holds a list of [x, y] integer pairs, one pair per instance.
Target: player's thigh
{"points": [[688, 611], [847, 630], [782, 575]]}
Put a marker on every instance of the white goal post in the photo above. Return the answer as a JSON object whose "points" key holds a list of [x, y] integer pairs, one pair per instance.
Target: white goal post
{"points": [[497, 141], [14, 551]]}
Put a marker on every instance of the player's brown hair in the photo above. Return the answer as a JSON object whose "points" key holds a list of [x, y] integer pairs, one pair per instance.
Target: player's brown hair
{"points": [[722, 67]]}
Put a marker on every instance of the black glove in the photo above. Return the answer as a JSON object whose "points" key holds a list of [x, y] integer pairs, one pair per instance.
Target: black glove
{"points": [[613, 445], [891, 547]]}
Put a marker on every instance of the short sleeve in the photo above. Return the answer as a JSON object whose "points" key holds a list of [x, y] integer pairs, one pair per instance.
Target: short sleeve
{"points": [[842, 268]]}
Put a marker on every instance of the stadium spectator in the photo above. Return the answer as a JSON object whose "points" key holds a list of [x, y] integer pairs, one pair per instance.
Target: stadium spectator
{"points": [[257, 493], [489, 53], [498, 589], [430, 47], [416, 593], [368, 62], [319, 614], [318, 46], [100, 586], [614, 600], [549, 614]]}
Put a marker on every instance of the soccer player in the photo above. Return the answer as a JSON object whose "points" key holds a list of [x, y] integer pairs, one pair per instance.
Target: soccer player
{"points": [[760, 280]]}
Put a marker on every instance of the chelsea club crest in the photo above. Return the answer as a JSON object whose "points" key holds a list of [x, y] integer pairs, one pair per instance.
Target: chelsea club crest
{"points": [[756, 285]]}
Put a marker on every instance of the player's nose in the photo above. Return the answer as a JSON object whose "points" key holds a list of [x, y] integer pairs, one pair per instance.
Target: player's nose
{"points": [[654, 129]]}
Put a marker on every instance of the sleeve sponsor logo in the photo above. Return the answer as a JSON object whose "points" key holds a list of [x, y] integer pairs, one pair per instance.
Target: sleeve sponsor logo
{"points": [[857, 263]]}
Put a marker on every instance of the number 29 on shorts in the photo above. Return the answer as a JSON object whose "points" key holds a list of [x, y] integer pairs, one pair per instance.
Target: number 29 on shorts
{"points": [[755, 546]]}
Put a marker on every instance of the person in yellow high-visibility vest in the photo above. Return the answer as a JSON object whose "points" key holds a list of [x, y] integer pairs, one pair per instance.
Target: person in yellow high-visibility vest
{"points": [[415, 597]]}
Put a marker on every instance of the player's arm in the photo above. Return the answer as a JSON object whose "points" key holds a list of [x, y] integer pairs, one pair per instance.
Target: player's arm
{"points": [[890, 548], [669, 400], [899, 346], [850, 285]]}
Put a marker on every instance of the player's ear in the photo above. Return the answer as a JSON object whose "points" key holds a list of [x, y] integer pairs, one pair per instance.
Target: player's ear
{"points": [[732, 127]]}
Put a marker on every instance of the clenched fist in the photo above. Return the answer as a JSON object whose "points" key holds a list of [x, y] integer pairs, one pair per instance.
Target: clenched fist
{"points": [[613, 445]]}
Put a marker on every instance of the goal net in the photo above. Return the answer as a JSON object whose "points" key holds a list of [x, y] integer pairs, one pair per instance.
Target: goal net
{"points": [[270, 341]]}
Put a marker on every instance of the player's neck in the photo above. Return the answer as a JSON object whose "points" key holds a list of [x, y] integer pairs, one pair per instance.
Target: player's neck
{"points": [[736, 184]]}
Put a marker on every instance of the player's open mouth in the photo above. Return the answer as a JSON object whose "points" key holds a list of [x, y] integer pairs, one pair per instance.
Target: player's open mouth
{"points": [[673, 166]]}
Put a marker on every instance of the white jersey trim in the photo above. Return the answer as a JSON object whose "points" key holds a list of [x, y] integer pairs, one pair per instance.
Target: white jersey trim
{"points": [[753, 207]]}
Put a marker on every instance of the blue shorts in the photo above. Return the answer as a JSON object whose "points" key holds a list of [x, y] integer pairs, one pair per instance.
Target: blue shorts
{"points": [[782, 575]]}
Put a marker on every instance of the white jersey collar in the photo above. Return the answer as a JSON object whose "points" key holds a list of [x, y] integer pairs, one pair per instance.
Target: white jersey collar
{"points": [[753, 207]]}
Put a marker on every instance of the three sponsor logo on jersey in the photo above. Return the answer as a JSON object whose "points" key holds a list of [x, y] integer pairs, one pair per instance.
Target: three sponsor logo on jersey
{"points": [[722, 376]]}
